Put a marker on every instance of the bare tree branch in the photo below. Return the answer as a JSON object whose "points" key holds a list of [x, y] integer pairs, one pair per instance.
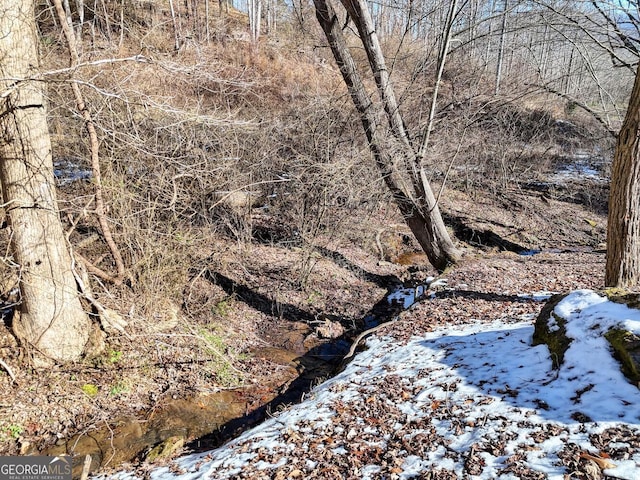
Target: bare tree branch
{"points": [[94, 147]]}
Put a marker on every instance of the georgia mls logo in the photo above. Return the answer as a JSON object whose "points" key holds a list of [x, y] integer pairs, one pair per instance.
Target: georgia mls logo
{"points": [[35, 468]]}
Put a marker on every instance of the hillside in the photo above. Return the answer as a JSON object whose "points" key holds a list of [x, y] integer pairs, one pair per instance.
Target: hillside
{"points": [[258, 237]]}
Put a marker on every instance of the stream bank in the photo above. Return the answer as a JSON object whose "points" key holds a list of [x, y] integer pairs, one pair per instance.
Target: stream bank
{"points": [[308, 348], [269, 311], [311, 350], [206, 421]]}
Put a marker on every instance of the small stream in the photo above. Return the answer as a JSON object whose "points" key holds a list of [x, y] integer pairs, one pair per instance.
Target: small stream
{"points": [[127, 438], [212, 419], [207, 421]]}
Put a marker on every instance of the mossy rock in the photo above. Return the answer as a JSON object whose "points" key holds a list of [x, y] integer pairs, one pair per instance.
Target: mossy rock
{"points": [[620, 295], [554, 336], [626, 348], [625, 344]]}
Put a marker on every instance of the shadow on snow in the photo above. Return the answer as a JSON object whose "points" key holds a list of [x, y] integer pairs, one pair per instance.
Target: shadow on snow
{"points": [[503, 363]]}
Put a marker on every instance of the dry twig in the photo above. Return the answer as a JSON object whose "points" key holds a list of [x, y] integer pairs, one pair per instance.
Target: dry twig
{"points": [[8, 369], [94, 144]]}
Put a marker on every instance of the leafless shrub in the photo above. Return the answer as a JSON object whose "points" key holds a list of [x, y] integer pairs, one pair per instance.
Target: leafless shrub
{"points": [[179, 159], [185, 141]]}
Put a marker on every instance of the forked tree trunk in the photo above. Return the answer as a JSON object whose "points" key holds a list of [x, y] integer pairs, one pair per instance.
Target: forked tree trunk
{"points": [[51, 318], [411, 192], [623, 230]]}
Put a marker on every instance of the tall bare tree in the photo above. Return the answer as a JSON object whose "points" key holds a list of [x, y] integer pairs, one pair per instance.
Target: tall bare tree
{"points": [[51, 320], [255, 18], [399, 163], [623, 228], [503, 30]]}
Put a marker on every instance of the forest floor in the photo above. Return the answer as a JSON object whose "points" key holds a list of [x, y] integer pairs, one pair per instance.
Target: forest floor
{"points": [[261, 323], [454, 388]]}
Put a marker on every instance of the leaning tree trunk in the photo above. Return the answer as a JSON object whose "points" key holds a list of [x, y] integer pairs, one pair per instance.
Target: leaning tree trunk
{"points": [[623, 231], [411, 192], [51, 319]]}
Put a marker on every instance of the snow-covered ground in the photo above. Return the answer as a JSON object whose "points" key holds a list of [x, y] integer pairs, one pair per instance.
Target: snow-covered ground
{"points": [[474, 402]]}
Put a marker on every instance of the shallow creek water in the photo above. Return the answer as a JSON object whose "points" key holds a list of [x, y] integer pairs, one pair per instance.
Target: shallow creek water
{"points": [[201, 422], [208, 420], [127, 438]]}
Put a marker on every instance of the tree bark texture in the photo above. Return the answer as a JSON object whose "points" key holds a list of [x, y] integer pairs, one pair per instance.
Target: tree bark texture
{"points": [[623, 230], [51, 319], [359, 12], [411, 192]]}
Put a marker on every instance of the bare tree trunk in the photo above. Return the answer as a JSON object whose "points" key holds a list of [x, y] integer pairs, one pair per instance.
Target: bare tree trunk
{"points": [[359, 12], [207, 33], [255, 14], [271, 15], [489, 36], [174, 22], [67, 9], [194, 19], [107, 22], [121, 41], [51, 319], [503, 29], [442, 59], [623, 231], [545, 52], [80, 26], [413, 197]]}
